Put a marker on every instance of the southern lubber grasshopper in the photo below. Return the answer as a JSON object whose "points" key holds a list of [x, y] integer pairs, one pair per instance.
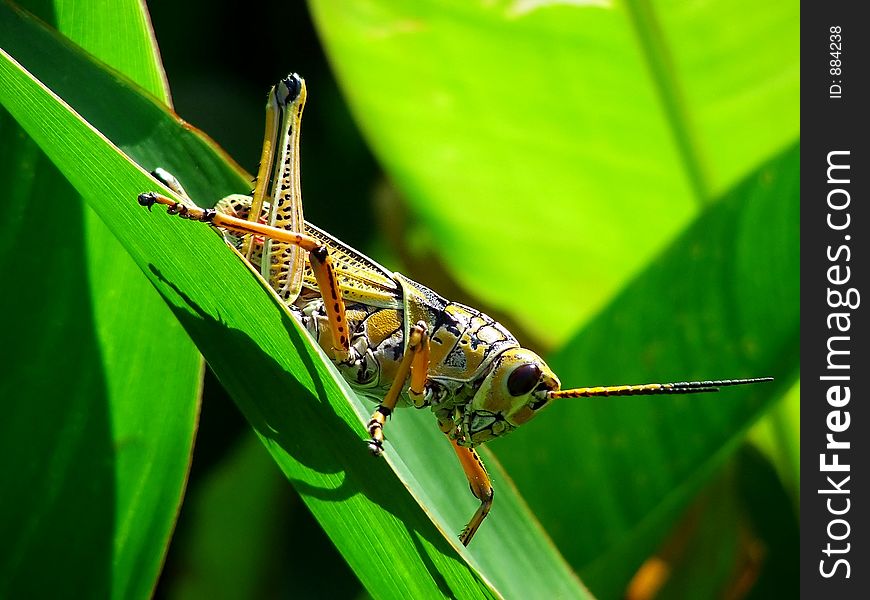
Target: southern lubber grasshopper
{"points": [[392, 339]]}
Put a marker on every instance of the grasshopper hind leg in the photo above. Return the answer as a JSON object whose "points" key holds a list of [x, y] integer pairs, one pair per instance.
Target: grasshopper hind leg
{"points": [[239, 206], [481, 487]]}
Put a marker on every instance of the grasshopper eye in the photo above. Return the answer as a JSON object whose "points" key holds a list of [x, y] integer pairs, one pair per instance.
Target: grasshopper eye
{"points": [[523, 379]]}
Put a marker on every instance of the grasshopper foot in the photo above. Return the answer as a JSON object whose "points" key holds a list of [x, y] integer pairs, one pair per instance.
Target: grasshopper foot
{"points": [[376, 430], [376, 447], [148, 199]]}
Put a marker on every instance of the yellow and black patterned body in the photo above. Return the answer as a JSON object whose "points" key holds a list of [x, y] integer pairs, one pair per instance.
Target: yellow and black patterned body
{"points": [[464, 344], [467, 346]]}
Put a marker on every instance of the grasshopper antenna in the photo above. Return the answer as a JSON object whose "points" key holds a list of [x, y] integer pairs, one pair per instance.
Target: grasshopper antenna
{"points": [[654, 389]]}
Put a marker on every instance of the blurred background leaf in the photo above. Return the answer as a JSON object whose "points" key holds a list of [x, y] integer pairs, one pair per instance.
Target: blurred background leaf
{"points": [[547, 153], [607, 125], [710, 305]]}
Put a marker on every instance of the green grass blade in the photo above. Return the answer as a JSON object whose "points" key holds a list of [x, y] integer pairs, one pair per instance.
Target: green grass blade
{"points": [[301, 412], [317, 458], [96, 472], [150, 488], [119, 33], [76, 466]]}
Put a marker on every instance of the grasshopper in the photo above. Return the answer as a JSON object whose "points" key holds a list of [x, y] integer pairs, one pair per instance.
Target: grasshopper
{"points": [[394, 340]]}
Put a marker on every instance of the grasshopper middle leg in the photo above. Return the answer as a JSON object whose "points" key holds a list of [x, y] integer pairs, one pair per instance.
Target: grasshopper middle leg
{"points": [[415, 364]]}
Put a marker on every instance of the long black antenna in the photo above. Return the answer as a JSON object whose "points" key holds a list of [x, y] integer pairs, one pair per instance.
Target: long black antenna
{"points": [[653, 389]]}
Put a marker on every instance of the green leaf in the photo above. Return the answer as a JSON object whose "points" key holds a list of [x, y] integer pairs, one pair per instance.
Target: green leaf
{"points": [[305, 415], [550, 149], [778, 436], [117, 32], [228, 548], [718, 302], [100, 430], [566, 161]]}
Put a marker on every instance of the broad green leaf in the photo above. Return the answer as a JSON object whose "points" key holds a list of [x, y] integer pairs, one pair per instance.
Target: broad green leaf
{"points": [[550, 149], [719, 302], [107, 468], [307, 418], [551, 152]]}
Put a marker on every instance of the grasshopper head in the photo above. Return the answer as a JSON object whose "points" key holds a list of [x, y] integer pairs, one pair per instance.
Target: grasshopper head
{"points": [[513, 392]]}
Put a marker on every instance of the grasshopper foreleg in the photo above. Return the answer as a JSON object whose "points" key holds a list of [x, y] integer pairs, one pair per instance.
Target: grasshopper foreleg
{"points": [[415, 364]]}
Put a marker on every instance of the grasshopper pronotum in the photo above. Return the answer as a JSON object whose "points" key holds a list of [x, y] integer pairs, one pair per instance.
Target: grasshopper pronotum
{"points": [[391, 338]]}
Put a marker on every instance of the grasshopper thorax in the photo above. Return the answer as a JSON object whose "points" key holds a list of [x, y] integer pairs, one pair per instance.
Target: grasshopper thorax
{"points": [[513, 392]]}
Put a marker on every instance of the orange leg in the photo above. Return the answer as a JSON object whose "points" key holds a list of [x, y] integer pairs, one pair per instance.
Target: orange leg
{"points": [[327, 283], [420, 369], [481, 487], [415, 363], [318, 256]]}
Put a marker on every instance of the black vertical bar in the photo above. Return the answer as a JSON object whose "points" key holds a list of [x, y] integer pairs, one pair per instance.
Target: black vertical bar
{"points": [[835, 560]]}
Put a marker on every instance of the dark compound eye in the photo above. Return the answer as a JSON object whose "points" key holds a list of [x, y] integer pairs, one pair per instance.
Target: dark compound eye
{"points": [[523, 379]]}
